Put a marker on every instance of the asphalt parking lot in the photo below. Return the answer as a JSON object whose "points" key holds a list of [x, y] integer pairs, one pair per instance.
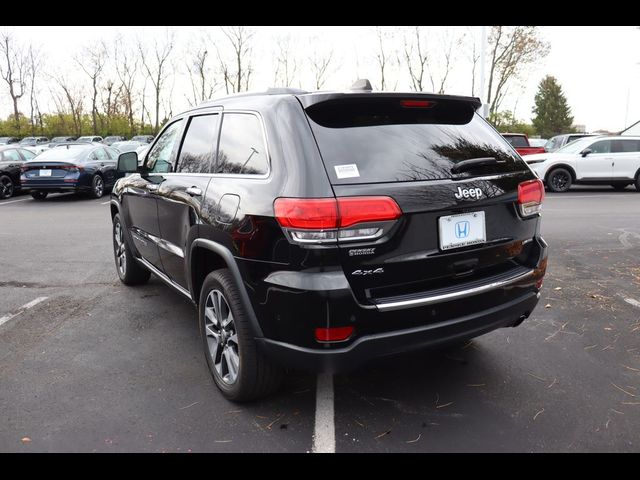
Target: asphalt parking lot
{"points": [[87, 364]]}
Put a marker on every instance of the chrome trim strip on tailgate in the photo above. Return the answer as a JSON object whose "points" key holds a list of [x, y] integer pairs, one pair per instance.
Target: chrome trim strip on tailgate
{"points": [[446, 297]]}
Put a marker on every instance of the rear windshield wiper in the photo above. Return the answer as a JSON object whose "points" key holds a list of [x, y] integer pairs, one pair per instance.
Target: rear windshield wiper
{"points": [[472, 163]]}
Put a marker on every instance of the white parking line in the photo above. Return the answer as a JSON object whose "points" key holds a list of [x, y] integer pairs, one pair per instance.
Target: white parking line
{"points": [[324, 438], [24, 307], [14, 201], [633, 302]]}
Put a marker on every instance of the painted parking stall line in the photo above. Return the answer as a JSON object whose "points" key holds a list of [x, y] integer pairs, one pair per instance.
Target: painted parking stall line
{"points": [[22, 309], [14, 201], [324, 438]]}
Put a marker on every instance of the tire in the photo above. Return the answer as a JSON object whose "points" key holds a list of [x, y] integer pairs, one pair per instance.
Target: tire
{"points": [[637, 182], [129, 270], [6, 187], [39, 194], [559, 180], [255, 375], [619, 186], [97, 187]]}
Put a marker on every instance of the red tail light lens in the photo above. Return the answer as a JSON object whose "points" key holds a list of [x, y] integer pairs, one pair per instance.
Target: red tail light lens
{"points": [[324, 220], [335, 334], [307, 213], [530, 197], [355, 210]]}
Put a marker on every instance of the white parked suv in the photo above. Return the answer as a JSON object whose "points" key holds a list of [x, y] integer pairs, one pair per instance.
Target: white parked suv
{"points": [[603, 160]]}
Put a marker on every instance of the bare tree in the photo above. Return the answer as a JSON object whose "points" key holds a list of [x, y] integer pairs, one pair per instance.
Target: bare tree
{"points": [[126, 63], [237, 73], [72, 96], [511, 50], [320, 61], [286, 62], [448, 41], [13, 69], [415, 54], [157, 65], [92, 61], [201, 74], [474, 56], [35, 63], [386, 58]]}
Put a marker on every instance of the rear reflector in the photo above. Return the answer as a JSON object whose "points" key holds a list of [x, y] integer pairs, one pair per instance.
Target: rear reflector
{"points": [[530, 197], [335, 334], [324, 220]]}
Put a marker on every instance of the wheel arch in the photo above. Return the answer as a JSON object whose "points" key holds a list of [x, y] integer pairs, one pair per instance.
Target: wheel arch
{"points": [[206, 256], [560, 165]]}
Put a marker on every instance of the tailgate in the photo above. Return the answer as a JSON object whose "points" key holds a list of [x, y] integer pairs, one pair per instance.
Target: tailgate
{"points": [[413, 149]]}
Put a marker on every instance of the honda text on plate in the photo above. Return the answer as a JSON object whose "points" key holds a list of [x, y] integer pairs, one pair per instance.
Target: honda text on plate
{"points": [[321, 230]]}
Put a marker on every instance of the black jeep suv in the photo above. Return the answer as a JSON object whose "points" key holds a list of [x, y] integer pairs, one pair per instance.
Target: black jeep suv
{"points": [[320, 230]]}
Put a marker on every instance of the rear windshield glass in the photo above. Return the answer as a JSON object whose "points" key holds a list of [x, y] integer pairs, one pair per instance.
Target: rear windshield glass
{"points": [[61, 153], [517, 141], [380, 140]]}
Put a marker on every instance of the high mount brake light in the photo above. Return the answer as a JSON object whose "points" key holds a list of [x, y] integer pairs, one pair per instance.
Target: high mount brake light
{"points": [[416, 103], [530, 197], [324, 220]]}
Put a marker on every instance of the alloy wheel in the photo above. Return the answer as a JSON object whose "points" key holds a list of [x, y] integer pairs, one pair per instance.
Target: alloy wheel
{"points": [[560, 180], [121, 257], [98, 186], [222, 337], [6, 187]]}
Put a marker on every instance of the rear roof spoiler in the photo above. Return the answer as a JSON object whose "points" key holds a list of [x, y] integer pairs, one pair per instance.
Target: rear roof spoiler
{"points": [[310, 99]]}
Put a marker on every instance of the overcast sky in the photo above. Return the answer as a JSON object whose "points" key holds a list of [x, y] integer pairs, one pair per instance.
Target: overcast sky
{"points": [[598, 67]]}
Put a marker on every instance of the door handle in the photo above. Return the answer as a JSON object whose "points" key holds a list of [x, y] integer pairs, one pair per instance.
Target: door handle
{"points": [[152, 187], [194, 191]]}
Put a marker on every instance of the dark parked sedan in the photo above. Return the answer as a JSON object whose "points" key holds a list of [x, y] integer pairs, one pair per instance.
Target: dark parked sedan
{"points": [[73, 167], [11, 158]]}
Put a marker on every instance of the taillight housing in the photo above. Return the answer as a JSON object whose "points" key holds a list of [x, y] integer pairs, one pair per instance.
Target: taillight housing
{"points": [[530, 197], [331, 220]]}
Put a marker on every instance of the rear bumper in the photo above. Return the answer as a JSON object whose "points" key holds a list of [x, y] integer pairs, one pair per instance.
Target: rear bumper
{"points": [[373, 346], [55, 187], [294, 304]]}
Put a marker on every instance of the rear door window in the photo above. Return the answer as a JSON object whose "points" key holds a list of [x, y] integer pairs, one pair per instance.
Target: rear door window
{"points": [[381, 140], [242, 148]]}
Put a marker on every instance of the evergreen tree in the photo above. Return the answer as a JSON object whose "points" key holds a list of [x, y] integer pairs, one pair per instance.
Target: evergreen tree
{"points": [[551, 110]]}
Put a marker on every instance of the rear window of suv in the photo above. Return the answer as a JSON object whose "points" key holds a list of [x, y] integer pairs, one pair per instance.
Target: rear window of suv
{"points": [[381, 140]]}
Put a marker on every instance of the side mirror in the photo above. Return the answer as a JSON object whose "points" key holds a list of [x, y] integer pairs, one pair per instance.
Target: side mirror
{"points": [[586, 152], [128, 162]]}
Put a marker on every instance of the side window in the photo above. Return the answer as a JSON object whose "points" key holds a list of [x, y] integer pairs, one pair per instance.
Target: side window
{"points": [[199, 146], [27, 154], [112, 152], [101, 154], [11, 156], [92, 156], [626, 146], [160, 158], [242, 148], [603, 146]]}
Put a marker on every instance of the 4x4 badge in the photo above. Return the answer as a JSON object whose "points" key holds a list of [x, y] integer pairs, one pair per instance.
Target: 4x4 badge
{"points": [[474, 193], [368, 272]]}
